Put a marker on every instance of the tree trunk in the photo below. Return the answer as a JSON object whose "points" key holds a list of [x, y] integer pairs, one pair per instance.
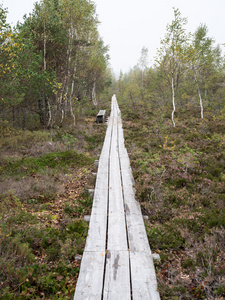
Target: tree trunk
{"points": [[49, 115], [45, 40], [94, 95], [66, 81], [199, 92], [173, 99], [71, 95], [42, 110]]}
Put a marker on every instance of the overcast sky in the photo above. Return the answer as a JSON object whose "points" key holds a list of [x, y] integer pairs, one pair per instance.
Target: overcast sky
{"points": [[128, 25]]}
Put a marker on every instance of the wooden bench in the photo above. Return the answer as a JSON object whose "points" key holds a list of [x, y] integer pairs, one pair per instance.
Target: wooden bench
{"points": [[117, 262], [101, 116]]}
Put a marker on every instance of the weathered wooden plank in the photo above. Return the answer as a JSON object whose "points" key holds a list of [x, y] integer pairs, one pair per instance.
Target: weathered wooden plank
{"points": [[100, 202], [96, 239], [90, 282], [102, 181], [103, 164], [115, 175], [106, 146], [121, 136], [144, 284], [127, 178], [117, 276], [137, 237], [117, 237], [125, 163], [131, 205], [107, 140]]}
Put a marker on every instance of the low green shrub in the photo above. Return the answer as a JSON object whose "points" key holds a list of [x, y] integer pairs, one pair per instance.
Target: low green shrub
{"points": [[30, 165], [164, 237]]}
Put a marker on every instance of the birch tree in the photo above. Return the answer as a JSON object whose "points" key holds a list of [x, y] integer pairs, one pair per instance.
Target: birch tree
{"points": [[143, 63], [59, 45], [171, 56], [201, 58]]}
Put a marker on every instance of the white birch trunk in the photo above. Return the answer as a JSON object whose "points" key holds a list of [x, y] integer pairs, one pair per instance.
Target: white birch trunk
{"points": [[95, 102], [62, 116], [199, 92], [45, 41], [64, 92], [174, 107], [200, 100], [72, 114], [71, 95]]}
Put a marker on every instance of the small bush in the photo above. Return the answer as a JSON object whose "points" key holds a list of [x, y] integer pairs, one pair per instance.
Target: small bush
{"points": [[164, 237], [78, 226], [32, 165], [16, 140]]}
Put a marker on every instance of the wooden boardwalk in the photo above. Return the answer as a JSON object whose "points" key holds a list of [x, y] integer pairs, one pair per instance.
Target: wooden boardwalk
{"points": [[117, 261]]}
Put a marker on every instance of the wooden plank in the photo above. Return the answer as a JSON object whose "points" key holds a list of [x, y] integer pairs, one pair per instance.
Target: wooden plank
{"points": [[144, 284], [143, 279], [137, 237], [127, 178], [103, 164], [96, 239], [100, 202], [107, 140], [90, 282], [102, 181], [132, 206], [101, 112], [106, 145], [117, 276], [117, 236]]}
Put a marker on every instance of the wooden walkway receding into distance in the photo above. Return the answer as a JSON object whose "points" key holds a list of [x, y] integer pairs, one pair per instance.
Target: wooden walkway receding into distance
{"points": [[117, 262]]}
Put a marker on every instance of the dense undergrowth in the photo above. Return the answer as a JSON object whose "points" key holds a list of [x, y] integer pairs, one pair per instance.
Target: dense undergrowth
{"points": [[179, 174], [44, 180]]}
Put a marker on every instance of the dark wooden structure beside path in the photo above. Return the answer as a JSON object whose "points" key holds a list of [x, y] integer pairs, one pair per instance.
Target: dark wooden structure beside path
{"points": [[117, 262], [101, 116]]}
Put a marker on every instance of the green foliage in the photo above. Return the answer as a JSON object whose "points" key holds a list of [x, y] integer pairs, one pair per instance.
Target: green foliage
{"points": [[21, 248], [94, 141], [56, 48], [12, 139], [164, 237], [31, 165], [81, 207], [23, 217]]}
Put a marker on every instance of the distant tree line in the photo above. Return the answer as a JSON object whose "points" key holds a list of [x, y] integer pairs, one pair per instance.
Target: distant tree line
{"points": [[189, 72], [51, 63]]}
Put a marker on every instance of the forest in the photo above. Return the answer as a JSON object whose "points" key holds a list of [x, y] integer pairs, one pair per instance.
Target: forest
{"points": [[51, 64], [54, 78]]}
